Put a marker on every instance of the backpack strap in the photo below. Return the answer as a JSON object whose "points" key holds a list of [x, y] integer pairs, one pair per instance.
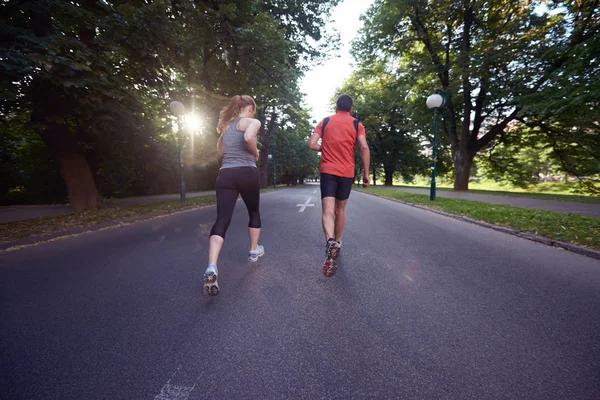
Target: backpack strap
{"points": [[326, 121], [323, 125]]}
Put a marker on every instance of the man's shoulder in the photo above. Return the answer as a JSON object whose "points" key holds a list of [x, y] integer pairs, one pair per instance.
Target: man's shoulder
{"points": [[341, 117]]}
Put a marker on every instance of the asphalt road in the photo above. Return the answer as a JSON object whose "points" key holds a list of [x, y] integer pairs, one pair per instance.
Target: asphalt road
{"points": [[422, 307]]}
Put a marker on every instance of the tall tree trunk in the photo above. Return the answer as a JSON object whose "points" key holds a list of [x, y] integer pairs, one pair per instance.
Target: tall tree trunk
{"points": [[389, 175], [374, 177], [62, 145], [462, 167], [73, 166], [49, 110], [266, 135]]}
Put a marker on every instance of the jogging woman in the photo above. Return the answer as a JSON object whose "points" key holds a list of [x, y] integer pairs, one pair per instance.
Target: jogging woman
{"points": [[238, 175]]}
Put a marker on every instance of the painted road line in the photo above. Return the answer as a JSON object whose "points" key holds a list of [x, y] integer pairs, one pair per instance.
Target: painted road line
{"points": [[175, 389], [303, 206]]}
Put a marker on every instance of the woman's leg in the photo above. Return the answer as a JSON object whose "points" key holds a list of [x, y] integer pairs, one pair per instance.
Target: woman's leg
{"points": [[227, 195], [249, 187]]}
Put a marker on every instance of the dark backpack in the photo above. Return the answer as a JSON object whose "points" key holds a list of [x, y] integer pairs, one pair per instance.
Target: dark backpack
{"points": [[326, 121]]}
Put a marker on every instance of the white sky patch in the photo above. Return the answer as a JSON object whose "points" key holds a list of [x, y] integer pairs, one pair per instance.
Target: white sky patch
{"points": [[320, 83]]}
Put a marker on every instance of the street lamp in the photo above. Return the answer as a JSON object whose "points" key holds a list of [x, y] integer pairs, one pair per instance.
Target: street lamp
{"points": [[434, 101], [178, 109], [274, 161], [270, 156]]}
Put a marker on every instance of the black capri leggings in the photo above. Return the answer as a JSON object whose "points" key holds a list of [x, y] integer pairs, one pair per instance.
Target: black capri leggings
{"points": [[230, 183]]}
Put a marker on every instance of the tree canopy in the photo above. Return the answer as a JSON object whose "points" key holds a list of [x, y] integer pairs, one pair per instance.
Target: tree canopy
{"points": [[94, 79], [503, 63]]}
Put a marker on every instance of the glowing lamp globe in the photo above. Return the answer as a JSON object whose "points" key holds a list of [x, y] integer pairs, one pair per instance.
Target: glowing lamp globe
{"points": [[435, 101], [177, 108]]}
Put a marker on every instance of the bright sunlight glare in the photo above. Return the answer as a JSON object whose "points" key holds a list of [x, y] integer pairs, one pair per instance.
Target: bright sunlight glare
{"points": [[192, 122]]}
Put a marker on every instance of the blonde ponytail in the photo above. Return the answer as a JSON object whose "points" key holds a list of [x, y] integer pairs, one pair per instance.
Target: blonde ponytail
{"points": [[232, 110]]}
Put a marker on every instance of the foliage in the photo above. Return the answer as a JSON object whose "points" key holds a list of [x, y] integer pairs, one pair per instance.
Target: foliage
{"points": [[521, 158], [29, 176], [96, 78], [295, 161], [493, 57], [378, 105]]}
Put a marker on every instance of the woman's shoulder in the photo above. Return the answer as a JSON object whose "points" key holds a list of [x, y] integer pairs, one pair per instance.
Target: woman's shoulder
{"points": [[243, 123]]}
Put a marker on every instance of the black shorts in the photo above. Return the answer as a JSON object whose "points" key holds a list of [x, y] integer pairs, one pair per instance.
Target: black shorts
{"points": [[335, 186]]}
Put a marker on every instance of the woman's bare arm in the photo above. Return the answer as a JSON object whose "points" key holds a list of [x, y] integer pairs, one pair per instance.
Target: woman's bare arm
{"points": [[250, 127]]}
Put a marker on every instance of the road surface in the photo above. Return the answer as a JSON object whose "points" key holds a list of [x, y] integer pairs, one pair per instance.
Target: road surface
{"points": [[422, 307]]}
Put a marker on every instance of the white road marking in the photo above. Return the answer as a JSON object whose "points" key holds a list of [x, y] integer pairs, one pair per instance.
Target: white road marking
{"points": [[173, 391], [303, 206], [315, 191]]}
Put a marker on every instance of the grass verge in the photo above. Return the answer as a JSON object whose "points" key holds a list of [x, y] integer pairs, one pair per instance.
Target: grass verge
{"points": [[543, 190], [507, 193], [49, 226], [570, 228]]}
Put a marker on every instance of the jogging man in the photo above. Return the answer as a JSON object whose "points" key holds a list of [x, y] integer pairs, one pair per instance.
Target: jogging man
{"points": [[339, 134]]}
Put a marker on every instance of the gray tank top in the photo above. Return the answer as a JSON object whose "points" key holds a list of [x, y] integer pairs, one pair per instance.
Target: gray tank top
{"points": [[236, 154]]}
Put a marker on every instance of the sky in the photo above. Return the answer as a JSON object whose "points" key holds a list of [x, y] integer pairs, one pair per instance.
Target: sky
{"points": [[320, 83]]}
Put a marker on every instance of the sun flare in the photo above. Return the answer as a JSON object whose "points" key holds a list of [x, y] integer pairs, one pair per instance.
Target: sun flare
{"points": [[192, 122]]}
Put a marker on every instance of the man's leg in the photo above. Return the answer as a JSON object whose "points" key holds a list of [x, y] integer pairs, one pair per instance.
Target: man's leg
{"points": [[328, 190], [331, 247], [329, 187], [341, 198], [340, 218], [328, 218]]}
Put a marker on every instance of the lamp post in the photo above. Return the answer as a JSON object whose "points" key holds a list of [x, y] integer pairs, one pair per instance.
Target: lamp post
{"points": [[178, 109], [434, 101], [274, 161], [270, 156]]}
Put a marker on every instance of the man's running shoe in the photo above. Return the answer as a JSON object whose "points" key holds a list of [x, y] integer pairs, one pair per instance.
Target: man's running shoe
{"points": [[333, 248], [211, 287], [329, 267], [254, 254]]}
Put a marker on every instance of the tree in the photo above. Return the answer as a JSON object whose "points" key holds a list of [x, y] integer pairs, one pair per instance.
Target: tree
{"points": [[96, 77], [378, 104], [520, 158], [29, 176], [295, 161], [71, 65], [490, 55]]}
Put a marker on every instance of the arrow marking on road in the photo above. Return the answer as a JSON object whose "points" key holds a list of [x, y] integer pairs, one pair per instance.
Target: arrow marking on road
{"points": [[303, 206]]}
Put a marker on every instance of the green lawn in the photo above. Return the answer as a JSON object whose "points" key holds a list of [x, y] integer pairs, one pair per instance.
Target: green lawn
{"points": [[576, 229], [544, 191]]}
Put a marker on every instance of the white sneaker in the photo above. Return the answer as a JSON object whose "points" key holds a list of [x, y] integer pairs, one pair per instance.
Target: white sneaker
{"points": [[254, 254], [211, 287]]}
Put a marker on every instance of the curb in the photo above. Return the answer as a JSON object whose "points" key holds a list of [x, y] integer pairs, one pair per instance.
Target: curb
{"points": [[584, 251], [15, 245], [74, 232]]}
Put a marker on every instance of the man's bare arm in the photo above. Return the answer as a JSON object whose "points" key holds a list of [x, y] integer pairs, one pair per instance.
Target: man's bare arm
{"points": [[313, 142], [365, 156]]}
